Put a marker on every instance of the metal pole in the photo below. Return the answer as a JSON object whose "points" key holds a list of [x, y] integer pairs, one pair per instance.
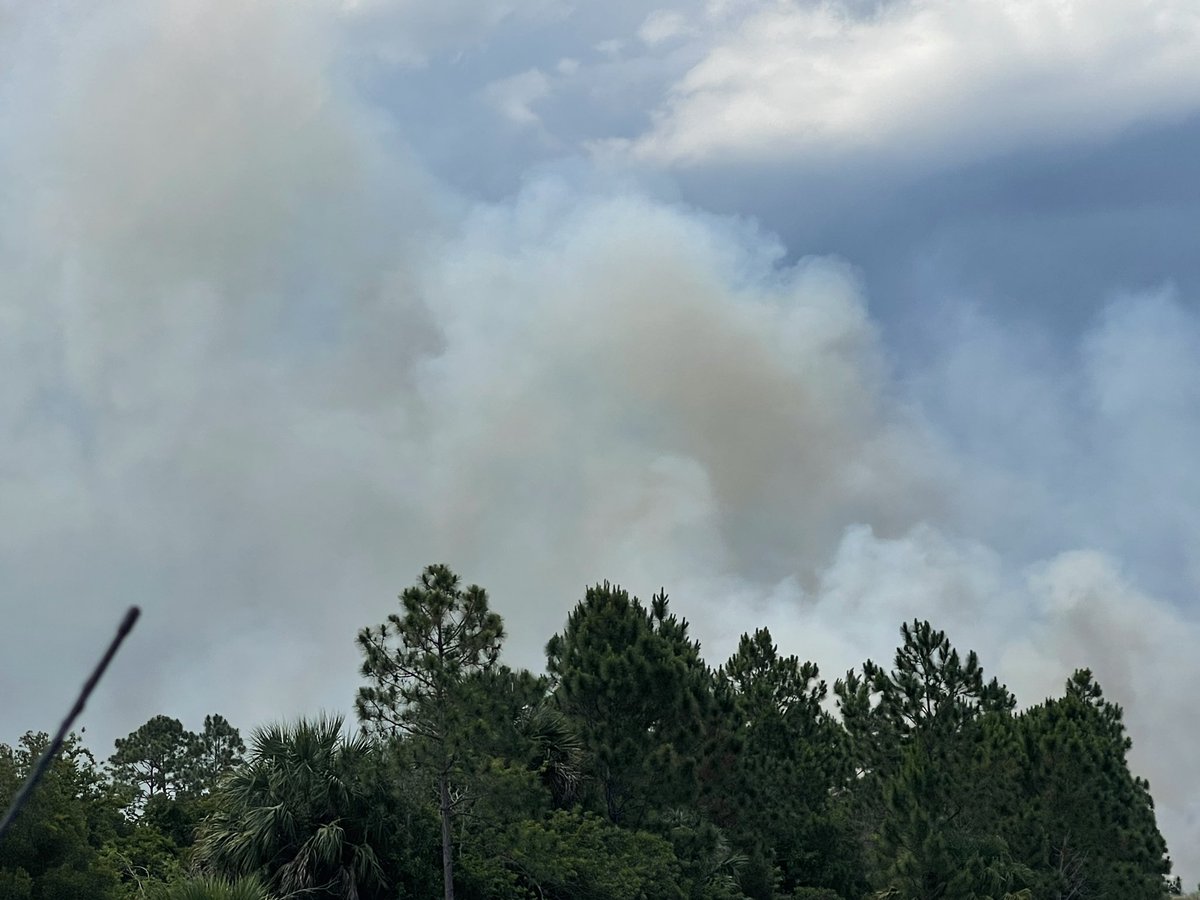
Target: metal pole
{"points": [[43, 763]]}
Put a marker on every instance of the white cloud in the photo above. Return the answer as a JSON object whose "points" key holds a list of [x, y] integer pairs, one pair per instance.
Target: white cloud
{"points": [[922, 79], [412, 32], [514, 97], [663, 25], [611, 47]]}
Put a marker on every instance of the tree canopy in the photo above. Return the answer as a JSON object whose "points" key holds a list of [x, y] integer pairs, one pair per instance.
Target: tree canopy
{"points": [[630, 769], [417, 665]]}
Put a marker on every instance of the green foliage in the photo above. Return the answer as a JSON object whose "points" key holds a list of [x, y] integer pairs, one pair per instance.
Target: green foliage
{"points": [[416, 663], [778, 788], [52, 851], [142, 855], [556, 752], [302, 812], [206, 887], [1084, 822], [15, 884], [573, 856], [154, 760], [631, 771], [633, 686], [925, 809], [164, 775], [162, 761], [709, 863], [419, 667], [213, 752], [958, 798]]}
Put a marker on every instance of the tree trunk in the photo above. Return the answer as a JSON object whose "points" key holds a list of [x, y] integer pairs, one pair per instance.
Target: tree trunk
{"points": [[447, 840]]}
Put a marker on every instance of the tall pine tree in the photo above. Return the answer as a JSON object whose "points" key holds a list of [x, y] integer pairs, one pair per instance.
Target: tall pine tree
{"points": [[1083, 822], [416, 665], [780, 784], [915, 733], [633, 683]]}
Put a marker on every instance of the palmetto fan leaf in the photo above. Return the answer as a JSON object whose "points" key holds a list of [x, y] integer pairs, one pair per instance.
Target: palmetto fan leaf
{"points": [[300, 813], [558, 749], [210, 888]]}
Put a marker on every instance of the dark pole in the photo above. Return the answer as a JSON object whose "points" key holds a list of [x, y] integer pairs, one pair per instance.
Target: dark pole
{"points": [[47, 757]]}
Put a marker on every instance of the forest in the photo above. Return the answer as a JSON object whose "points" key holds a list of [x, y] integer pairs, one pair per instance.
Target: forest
{"points": [[631, 769]]}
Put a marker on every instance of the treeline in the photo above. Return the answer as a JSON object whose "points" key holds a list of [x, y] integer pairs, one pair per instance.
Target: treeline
{"points": [[631, 769]]}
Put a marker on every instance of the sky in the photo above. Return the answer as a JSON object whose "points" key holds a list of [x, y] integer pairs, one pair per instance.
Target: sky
{"points": [[823, 316]]}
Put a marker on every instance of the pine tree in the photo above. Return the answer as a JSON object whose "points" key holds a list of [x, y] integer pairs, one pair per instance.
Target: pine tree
{"points": [[917, 731], [790, 759], [155, 760], [633, 683], [417, 664], [214, 752], [1085, 824]]}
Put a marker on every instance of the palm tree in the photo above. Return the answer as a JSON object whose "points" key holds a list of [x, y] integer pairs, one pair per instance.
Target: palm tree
{"points": [[302, 813], [207, 887], [557, 752]]}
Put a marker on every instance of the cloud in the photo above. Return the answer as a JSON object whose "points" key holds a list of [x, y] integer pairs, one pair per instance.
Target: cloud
{"points": [[413, 33], [925, 79], [1087, 447], [663, 25], [515, 96]]}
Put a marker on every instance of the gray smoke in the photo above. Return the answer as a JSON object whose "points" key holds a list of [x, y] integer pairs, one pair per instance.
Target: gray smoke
{"points": [[259, 367]]}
